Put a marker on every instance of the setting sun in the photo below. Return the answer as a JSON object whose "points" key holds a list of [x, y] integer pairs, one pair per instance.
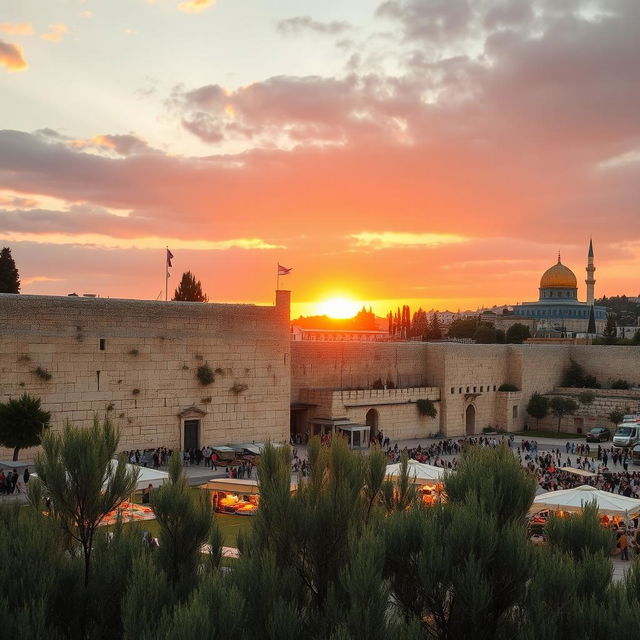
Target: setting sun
{"points": [[339, 308]]}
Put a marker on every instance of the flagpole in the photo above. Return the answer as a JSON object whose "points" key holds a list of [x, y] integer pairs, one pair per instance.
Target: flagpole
{"points": [[278, 277], [166, 274]]}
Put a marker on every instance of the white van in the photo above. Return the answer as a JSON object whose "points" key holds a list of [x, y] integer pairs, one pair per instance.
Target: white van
{"points": [[627, 434]]}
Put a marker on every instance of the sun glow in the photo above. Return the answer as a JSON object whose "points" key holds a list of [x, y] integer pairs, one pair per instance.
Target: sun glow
{"points": [[338, 308]]}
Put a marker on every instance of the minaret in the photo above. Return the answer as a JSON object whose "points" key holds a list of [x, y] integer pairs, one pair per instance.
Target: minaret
{"points": [[590, 281]]}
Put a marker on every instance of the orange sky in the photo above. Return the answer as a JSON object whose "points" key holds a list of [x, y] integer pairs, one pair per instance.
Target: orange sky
{"points": [[431, 153]]}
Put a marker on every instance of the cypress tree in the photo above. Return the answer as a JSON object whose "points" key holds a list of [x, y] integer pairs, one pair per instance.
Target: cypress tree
{"points": [[9, 280]]}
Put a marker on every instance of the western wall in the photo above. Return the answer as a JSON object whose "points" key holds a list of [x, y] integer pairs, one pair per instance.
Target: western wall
{"points": [[137, 361]]}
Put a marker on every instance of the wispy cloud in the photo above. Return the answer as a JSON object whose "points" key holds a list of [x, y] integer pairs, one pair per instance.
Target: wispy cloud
{"points": [[393, 239], [12, 57], [194, 6], [149, 242], [18, 29], [55, 33], [297, 24]]}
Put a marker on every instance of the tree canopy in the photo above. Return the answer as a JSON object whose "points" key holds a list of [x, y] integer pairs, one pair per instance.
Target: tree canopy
{"points": [[189, 289], [22, 423], [561, 406], [517, 333], [538, 407], [9, 280]]}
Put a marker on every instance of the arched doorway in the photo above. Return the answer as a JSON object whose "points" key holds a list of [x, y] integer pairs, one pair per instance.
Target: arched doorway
{"points": [[372, 422], [470, 419]]}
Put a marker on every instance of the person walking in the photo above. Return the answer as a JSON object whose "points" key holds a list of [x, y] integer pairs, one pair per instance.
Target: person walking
{"points": [[624, 546]]}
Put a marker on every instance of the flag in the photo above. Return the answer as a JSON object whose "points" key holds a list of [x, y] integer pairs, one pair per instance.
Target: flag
{"points": [[169, 257], [283, 271]]}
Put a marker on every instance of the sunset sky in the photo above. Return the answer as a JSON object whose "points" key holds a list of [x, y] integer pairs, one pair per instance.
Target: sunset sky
{"points": [[431, 152]]}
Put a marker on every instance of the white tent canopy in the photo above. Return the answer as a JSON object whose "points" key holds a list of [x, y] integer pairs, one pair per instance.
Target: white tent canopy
{"points": [[148, 476], [574, 499], [419, 472]]}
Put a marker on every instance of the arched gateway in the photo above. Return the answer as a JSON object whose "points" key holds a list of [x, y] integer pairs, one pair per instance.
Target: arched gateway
{"points": [[470, 420]]}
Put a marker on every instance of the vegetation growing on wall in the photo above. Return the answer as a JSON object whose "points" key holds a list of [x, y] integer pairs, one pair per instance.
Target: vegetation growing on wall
{"points": [[507, 386], [426, 408], [205, 375], [42, 373], [575, 376]]}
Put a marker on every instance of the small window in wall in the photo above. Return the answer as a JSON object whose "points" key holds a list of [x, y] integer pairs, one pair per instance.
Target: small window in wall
{"points": [[460, 390], [103, 344], [494, 387], [474, 389], [481, 389], [453, 390], [467, 389], [515, 411]]}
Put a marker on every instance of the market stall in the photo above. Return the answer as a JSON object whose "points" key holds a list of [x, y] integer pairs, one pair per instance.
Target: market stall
{"points": [[428, 479], [235, 496], [614, 509]]}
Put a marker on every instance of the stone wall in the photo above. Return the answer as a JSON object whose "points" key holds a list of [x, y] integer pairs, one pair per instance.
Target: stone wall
{"points": [[395, 409], [137, 361]]}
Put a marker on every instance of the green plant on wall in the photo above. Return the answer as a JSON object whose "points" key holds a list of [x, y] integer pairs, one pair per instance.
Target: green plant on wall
{"points": [[42, 373], [507, 386], [133, 352], [238, 387], [135, 392], [427, 408], [205, 375]]}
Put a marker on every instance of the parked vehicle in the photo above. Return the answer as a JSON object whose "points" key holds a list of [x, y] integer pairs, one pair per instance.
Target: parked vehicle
{"points": [[635, 454], [599, 434], [627, 434]]}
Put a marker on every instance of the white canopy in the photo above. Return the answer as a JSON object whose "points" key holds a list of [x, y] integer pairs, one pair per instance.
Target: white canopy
{"points": [[419, 472], [574, 500], [146, 476]]}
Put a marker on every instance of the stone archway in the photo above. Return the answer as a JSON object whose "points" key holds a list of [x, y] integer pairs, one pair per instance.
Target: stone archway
{"points": [[372, 421], [470, 420]]}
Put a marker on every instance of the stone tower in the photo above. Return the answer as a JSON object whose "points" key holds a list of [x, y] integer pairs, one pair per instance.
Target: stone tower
{"points": [[590, 281]]}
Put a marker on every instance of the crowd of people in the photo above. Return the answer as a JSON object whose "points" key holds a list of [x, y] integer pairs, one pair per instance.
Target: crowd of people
{"points": [[13, 482]]}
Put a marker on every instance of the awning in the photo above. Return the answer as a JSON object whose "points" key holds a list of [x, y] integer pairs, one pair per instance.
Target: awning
{"points": [[334, 422], [576, 498], [578, 472], [351, 427], [419, 473], [236, 485]]}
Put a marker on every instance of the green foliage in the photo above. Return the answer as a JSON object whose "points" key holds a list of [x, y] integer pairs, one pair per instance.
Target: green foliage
{"points": [[462, 329], [22, 423], [135, 392], [620, 384], [507, 386], [616, 417], [575, 376], [185, 522], [636, 337], [432, 330], [134, 352], [238, 387], [426, 407], [538, 407], [485, 334], [517, 333], [610, 333], [205, 375], [42, 373], [561, 406], [377, 384], [24, 358], [76, 471], [189, 289], [586, 397], [9, 277]]}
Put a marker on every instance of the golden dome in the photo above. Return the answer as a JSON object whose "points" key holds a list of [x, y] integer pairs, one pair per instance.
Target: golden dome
{"points": [[558, 277]]}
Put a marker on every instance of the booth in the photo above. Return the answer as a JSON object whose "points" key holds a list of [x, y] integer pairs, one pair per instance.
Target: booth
{"points": [[356, 434], [613, 509], [428, 479], [235, 496]]}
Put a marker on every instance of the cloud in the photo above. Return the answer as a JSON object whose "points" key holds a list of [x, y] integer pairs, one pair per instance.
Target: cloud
{"points": [[299, 24], [195, 6], [394, 239], [12, 57], [18, 28], [124, 145], [55, 33]]}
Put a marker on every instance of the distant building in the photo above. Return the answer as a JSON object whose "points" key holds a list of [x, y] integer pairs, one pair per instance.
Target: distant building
{"points": [[558, 310], [338, 335]]}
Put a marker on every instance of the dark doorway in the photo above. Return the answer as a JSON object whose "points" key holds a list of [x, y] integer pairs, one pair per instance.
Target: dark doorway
{"points": [[191, 431], [471, 420], [372, 421]]}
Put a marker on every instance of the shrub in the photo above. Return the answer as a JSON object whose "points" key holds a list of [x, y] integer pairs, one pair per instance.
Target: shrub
{"points": [[205, 375], [43, 374], [426, 408], [586, 397], [134, 352], [507, 386], [575, 376], [206, 400], [378, 384], [219, 371], [238, 387], [24, 358], [620, 384], [135, 392]]}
